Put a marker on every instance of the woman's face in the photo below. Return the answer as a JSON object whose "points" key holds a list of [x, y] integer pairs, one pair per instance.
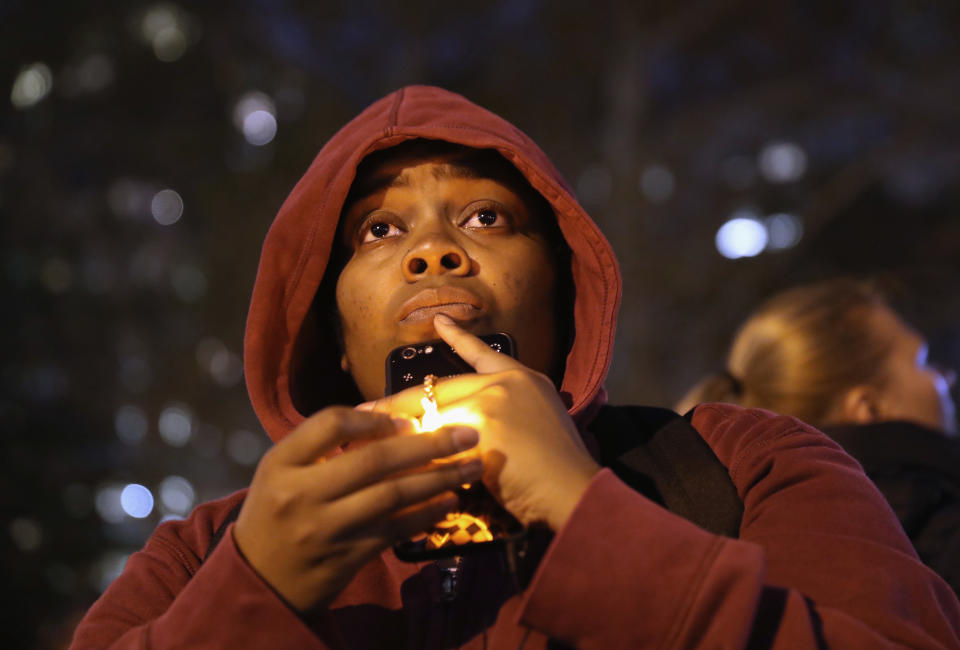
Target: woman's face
{"points": [[913, 390], [432, 236]]}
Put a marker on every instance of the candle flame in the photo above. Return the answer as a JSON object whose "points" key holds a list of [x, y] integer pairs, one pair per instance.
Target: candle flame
{"points": [[432, 418], [430, 421]]}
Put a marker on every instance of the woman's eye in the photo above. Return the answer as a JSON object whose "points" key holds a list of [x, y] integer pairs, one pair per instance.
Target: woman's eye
{"points": [[379, 230], [485, 218]]}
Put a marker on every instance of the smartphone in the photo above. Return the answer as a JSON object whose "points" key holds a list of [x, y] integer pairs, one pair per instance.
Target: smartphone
{"points": [[481, 524], [407, 365]]}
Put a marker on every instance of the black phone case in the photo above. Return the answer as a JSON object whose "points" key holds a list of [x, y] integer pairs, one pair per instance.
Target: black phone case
{"points": [[406, 366]]}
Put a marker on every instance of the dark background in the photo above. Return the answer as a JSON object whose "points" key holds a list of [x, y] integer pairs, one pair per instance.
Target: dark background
{"points": [[122, 335]]}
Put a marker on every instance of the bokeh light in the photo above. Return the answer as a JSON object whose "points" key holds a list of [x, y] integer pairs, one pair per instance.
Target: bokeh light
{"points": [[166, 207], [88, 76], [189, 282], [259, 128], [207, 348], [742, 236], [245, 447], [784, 230], [594, 186], [255, 116], [108, 504], [136, 500], [168, 30], [782, 162], [657, 183], [224, 366], [131, 424], [33, 83], [175, 425], [26, 533], [177, 495]]}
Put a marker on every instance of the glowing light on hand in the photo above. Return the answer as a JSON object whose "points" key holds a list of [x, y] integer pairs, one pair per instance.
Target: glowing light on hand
{"points": [[457, 529], [433, 419], [430, 421]]}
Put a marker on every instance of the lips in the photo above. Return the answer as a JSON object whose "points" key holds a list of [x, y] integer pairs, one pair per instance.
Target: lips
{"points": [[457, 303]]}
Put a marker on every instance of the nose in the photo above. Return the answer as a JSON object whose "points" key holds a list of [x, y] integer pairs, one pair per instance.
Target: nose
{"points": [[435, 254]]}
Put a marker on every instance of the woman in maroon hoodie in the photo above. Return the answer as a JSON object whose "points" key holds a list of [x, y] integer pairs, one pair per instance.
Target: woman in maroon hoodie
{"points": [[385, 242]]}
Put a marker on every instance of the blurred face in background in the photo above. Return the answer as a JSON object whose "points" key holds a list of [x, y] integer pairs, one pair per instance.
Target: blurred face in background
{"points": [[912, 389]]}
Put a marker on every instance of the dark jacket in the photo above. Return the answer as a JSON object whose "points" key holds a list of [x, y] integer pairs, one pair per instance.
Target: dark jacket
{"points": [[918, 471], [820, 559]]}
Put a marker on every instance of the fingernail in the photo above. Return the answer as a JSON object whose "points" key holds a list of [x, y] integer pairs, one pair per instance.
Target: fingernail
{"points": [[471, 470], [464, 438], [403, 425], [443, 318], [366, 406]]}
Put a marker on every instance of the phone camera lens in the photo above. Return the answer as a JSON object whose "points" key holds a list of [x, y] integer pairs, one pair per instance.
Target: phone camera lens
{"points": [[409, 353]]}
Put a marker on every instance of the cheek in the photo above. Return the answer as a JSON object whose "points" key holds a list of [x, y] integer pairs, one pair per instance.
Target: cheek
{"points": [[529, 282], [346, 302], [355, 300], [936, 388], [919, 398]]}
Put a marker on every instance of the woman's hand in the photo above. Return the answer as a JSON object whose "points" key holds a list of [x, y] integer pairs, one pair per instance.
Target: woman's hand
{"points": [[534, 460], [307, 527]]}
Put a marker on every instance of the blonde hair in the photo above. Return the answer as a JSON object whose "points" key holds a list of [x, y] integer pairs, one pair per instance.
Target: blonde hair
{"points": [[800, 351]]}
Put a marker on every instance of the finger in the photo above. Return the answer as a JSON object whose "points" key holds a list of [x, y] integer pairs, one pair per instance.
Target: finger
{"points": [[333, 427], [382, 501], [472, 349], [371, 464]]}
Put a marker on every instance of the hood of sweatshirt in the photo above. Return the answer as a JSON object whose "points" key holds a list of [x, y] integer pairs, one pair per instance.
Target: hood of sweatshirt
{"points": [[291, 356]]}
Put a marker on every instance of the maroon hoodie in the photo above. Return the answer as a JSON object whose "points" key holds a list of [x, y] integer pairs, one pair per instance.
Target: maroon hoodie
{"points": [[820, 558]]}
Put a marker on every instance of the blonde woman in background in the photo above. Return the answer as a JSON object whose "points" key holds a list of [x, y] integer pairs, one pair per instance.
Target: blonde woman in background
{"points": [[837, 356]]}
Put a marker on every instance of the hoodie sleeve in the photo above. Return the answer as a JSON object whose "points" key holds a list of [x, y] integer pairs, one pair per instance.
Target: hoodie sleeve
{"points": [[167, 598], [821, 560]]}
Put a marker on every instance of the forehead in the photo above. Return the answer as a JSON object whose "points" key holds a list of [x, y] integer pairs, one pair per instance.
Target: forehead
{"points": [[408, 173], [394, 168]]}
